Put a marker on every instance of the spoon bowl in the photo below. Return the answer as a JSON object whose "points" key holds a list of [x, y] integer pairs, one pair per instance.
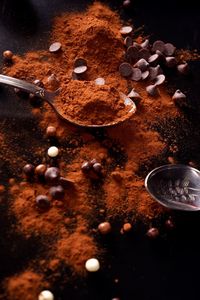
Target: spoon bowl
{"points": [[50, 96], [175, 186]]}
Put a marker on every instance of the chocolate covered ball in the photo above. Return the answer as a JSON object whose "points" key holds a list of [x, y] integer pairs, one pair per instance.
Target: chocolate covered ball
{"points": [[42, 202], [52, 175], [57, 192]]}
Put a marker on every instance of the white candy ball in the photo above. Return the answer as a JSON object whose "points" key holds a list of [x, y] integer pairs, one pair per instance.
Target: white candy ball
{"points": [[53, 151], [46, 295], [99, 81], [92, 265]]}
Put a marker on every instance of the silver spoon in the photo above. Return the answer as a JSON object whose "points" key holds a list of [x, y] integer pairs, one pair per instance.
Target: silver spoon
{"points": [[50, 96], [175, 186]]}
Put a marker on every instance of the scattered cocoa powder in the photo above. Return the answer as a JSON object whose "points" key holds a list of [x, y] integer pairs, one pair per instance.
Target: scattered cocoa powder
{"points": [[121, 150]]}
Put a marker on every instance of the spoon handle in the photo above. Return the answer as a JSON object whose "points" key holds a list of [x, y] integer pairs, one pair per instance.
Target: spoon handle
{"points": [[27, 87]]}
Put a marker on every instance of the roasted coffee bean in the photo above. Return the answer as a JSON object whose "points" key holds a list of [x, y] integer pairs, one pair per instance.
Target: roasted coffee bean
{"points": [[43, 202], [29, 170], [183, 68], [52, 175], [153, 233], [125, 70], [40, 170], [169, 49], [126, 30], [57, 192], [152, 90], [158, 45], [8, 55], [136, 74], [55, 47], [170, 62], [104, 228], [51, 131]]}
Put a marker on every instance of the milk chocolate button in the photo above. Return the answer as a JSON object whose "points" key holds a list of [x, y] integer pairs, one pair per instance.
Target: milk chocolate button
{"points": [[55, 47], [136, 74], [126, 30], [125, 69], [158, 45], [169, 49]]}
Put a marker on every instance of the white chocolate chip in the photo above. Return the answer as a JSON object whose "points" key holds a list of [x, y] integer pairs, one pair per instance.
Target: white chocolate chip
{"points": [[46, 295], [92, 265], [53, 151]]}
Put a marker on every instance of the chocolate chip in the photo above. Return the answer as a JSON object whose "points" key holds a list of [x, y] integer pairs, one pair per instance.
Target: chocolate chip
{"points": [[179, 98], [29, 170], [152, 90], [170, 62], [52, 175], [153, 233], [79, 62], [161, 56], [40, 170], [97, 167], [80, 70], [169, 49], [51, 131], [136, 74], [126, 3], [158, 45], [154, 71], [144, 53], [8, 55], [43, 202], [57, 192], [86, 166], [137, 45], [128, 41], [160, 79], [53, 81], [55, 47], [183, 68], [145, 44], [126, 30], [134, 95], [142, 64], [104, 228], [169, 224], [145, 75], [125, 70], [132, 53], [153, 58]]}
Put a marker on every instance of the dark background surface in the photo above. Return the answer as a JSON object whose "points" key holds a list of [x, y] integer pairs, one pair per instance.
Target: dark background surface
{"points": [[161, 270]]}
